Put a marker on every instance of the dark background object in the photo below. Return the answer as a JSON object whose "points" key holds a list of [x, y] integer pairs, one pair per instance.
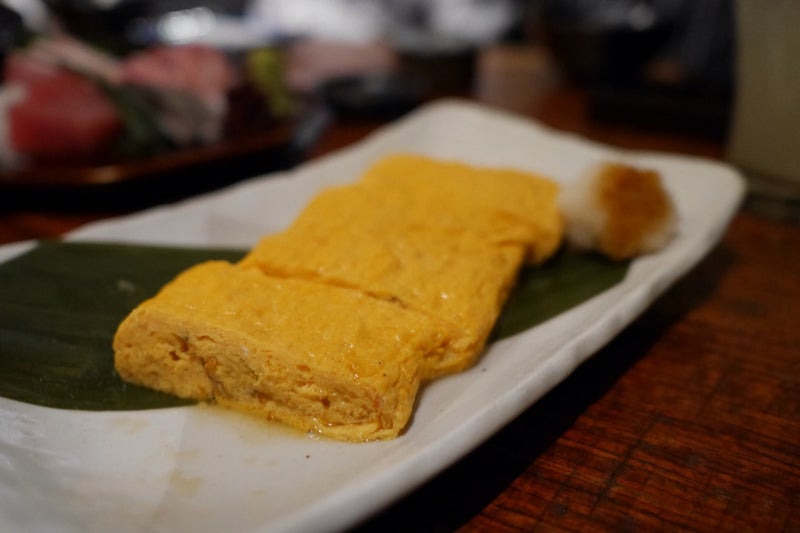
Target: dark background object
{"points": [[602, 40], [647, 63], [12, 31], [373, 95], [112, 25], [165, 178]]}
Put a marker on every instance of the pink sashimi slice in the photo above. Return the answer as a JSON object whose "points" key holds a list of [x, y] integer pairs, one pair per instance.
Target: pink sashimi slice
{"points": [[62, 114]]}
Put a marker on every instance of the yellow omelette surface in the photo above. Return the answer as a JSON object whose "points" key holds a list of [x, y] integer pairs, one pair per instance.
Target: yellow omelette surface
{"points": [[496, 205], [331, 324], [321, 358], [442, 238]]}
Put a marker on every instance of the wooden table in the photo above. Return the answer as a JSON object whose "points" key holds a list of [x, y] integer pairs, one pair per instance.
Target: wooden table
{"points": [[688, 421]]}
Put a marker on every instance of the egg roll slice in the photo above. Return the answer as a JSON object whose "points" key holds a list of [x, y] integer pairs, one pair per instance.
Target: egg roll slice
{"points": [[496, 205], [461, 284], [459, 280], [319, 358]]}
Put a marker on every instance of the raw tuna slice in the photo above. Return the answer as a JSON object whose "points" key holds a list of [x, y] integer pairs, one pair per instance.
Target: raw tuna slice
{"points": [[60, 114], [187, 86]]}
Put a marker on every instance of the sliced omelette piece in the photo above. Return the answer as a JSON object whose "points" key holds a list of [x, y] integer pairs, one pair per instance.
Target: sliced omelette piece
{"points": [[319, 358], [330, 325], [497, 205], [444, 239], [460, 284]]}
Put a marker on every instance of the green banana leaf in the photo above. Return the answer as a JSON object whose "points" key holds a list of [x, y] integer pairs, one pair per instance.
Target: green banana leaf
{"points": [[60, 305]]}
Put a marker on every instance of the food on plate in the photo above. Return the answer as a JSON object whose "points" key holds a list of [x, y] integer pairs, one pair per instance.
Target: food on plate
{"points": [[459, 284], [619, 210], [330, 325], [499, 205], [317, 357], [64, 100], [52, 112], [379, 285], [194, 69], [187, 88], [442, 238]]}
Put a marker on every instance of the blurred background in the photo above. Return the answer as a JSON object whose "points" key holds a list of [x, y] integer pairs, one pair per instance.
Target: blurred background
{"points": [[655, 63]]}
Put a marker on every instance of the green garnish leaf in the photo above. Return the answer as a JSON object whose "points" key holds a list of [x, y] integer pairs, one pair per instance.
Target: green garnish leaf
{"points": [[61, 303], [542, 292]]}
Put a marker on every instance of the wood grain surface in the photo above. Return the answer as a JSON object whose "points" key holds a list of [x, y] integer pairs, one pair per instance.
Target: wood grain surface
{"points": [[689, 420]]}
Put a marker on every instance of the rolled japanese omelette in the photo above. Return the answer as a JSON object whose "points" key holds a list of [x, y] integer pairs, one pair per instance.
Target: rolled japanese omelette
{"points": [[331, 325]]}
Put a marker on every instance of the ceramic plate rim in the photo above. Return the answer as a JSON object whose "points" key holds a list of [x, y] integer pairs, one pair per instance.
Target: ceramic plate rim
{"points": [[425, 131]]}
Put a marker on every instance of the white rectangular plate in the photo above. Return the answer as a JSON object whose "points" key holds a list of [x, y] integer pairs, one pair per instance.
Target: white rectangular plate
{"points": [[205, 469]]}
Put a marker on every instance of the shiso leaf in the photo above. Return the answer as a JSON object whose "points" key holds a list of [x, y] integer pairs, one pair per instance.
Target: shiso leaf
{"points": [[60, 305], [566, 280]]}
